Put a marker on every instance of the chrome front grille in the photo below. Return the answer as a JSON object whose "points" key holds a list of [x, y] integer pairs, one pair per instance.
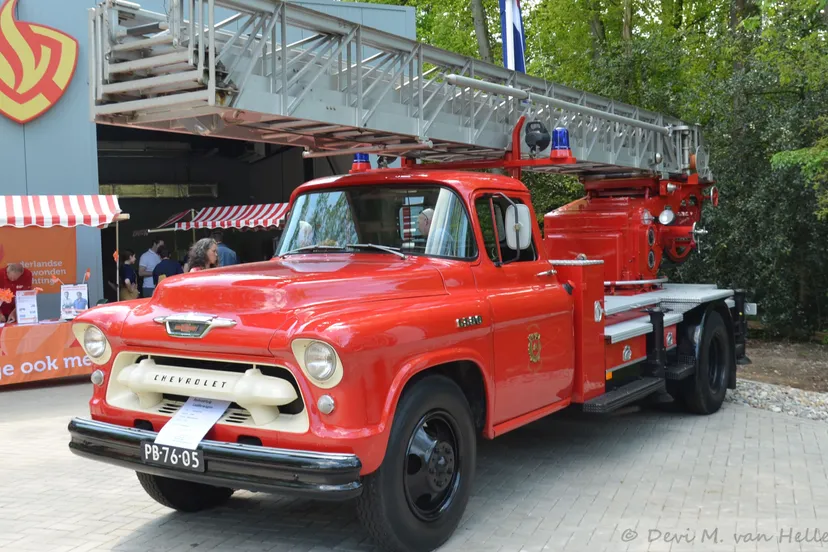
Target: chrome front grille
{"points": [[261, 396], [234, 415], [295, 407]]}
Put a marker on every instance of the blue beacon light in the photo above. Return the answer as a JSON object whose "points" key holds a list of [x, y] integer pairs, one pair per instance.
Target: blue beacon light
{"points": [[560, 152], [560, 139], [361, 163]]}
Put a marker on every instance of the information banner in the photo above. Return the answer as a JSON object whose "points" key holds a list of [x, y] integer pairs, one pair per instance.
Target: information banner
{"points": [[26, 305], [43, 351], [44, 251]]}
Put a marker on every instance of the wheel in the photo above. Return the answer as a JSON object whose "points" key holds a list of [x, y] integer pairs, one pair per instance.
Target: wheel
{"points": [[184, 496], [414, 501], [704, 393]]}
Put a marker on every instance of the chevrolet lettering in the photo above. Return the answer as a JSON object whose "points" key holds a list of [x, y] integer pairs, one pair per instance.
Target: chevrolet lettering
{"points": [[204, 382]]}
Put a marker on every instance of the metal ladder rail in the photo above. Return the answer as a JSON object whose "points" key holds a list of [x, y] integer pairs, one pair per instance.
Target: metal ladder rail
{"points": [[169, 82], [459, 119]]}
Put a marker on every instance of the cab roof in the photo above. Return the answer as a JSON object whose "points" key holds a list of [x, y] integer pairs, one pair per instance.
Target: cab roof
{"points": [[464, 182]]}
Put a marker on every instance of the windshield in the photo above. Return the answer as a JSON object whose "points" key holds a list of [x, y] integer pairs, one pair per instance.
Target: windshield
{"points": [[417, 220]]}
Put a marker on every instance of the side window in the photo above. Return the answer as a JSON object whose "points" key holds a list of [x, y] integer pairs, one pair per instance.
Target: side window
{"points": [[491, 213], [483, 206]]}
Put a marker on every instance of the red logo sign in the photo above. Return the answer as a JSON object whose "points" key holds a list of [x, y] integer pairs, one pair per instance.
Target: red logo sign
{"points": [[36, 65]]}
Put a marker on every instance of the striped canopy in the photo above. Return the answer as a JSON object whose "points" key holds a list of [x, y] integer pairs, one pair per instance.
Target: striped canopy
{"points": [[59, 210], [236, 216], [175, 218]]}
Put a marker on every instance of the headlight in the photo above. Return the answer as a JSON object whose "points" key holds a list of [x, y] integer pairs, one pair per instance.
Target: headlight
{"points": [[320, 361], [94, 342]]}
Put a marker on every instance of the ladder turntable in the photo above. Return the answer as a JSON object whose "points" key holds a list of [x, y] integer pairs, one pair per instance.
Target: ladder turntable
{"points": [[342, 88]]}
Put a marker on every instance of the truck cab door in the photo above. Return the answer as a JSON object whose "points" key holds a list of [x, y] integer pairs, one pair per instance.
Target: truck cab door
{"points": [[531, 314]]}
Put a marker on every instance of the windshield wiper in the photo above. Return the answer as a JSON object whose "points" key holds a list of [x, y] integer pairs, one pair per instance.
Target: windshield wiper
{"points": [[385, 248], [308, 248]]}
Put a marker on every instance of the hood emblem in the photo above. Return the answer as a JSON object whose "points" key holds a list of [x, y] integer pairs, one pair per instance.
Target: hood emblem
{"points": [[193, 325]]}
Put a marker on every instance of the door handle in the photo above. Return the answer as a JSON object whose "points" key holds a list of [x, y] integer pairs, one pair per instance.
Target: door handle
{"points": [[550, 272]]}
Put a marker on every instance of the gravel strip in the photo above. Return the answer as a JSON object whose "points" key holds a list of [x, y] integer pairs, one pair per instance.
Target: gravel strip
{"points": [[779, 398]]}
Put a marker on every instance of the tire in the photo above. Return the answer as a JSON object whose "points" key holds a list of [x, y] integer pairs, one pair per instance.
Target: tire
{"points": [[404, 506], [704, 393], [184, 496]]}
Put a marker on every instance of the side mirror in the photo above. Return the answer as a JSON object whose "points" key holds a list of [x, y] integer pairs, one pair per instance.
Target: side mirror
{"points": [[518, 227]]}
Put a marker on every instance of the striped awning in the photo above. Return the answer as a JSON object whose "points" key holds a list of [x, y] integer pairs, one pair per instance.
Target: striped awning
{"points": [[175, 218], [236, 216], [59, 210]]}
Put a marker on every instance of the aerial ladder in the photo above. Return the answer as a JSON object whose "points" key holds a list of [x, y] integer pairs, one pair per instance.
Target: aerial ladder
{"points": [[273, 71]]}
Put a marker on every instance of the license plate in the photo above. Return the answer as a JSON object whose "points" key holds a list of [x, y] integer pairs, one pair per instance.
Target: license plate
{"points": [[172, 457]]}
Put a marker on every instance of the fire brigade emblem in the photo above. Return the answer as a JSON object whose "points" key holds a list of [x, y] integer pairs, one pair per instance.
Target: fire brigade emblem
{"points": [[534, 347], [36, 65]]}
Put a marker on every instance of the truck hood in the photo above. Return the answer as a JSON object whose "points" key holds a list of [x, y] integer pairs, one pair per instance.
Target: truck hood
{"points": [[262, 298]]}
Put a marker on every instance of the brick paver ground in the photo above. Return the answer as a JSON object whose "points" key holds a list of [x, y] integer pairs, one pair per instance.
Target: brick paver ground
{"points": [[568, 482]]}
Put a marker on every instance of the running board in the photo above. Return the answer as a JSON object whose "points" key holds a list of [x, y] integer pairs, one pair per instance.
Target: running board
{"points": [[680, 371], [624, 395]]}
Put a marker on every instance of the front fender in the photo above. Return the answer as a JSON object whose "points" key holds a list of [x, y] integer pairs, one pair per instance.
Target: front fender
{"points": [[432, 359]]}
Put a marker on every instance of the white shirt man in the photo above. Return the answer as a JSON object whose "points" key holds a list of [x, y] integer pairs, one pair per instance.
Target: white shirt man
{"points": [[146, 264]]}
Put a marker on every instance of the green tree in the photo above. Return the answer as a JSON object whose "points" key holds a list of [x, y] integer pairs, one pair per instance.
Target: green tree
{"points": [[813, 164]]}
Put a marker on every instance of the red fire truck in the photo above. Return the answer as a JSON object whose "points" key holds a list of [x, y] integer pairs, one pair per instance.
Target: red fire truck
{"points": [[359, 368], [410, 311]]}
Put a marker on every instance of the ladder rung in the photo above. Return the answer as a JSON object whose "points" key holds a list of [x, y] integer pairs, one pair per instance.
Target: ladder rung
{"points": [[142, 44], [152, 82], [154, 27], [149, 63], [175, 69], [149, 103]]}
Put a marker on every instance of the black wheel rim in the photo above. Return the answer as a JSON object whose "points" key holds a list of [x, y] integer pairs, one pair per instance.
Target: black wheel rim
{"points": [[431, 470], [715, 366]]}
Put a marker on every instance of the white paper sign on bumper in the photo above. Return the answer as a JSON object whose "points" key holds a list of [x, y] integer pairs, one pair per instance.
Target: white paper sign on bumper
{"points": [[191, 423]]}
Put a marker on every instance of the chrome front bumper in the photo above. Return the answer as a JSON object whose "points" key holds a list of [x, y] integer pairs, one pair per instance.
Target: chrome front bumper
{"points": [[238, 466]]}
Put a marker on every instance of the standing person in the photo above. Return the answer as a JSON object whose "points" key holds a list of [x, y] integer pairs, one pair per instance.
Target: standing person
{"points": [[203, 255], [226, 255], [147, 264], [167, 267], [129, 278], [15, 277]]}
